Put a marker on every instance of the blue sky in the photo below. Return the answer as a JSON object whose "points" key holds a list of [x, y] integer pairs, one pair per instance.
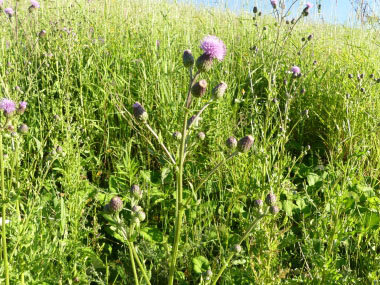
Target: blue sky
{"points": [[333, 11]]}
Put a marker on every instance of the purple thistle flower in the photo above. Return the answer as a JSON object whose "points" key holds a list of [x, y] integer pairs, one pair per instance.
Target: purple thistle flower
{"points": [[34, 4], [309, 5], [296, 70], [273, 3], [213, 47], [23, 105], [9, 11], [8, 106]]}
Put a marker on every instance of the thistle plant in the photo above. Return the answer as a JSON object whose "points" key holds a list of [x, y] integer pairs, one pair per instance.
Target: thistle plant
{"points": [[10, 112]]}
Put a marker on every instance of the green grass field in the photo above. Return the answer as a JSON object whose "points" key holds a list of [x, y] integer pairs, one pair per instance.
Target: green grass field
{"points": [[316, 147]]}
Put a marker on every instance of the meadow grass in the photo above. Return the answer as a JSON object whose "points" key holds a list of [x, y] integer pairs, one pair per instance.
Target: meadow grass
{"points": [[316, 146]]}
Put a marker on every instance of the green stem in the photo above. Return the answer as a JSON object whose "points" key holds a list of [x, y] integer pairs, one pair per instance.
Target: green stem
{"points": [[140, 264], [133, 264], [4, 236], [231, 255]]}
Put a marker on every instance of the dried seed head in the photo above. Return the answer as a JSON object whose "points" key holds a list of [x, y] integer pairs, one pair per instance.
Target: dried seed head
{"points": [[219, 90], [139, 112], [187, 58], [177, 136], [274, 209], [116, 204], [136, 192], [270, 199], [245, 143], [231, 143], [258, 203], [201, 136], [204, 62], [199, 88]]}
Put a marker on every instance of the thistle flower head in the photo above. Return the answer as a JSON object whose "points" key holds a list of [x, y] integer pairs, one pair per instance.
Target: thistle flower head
{"points": [[199, 88], [8, 106], [42, 34], [231, 142], [139, 112], [245, 143], [258, 203], [136, 192], [116, 204], [219, 90], [34, 4], [213, 47], [270, 199], [22, 107], [274, 210], [136, 209], [9, 12], [187, 58], [273, 3], [204, 63], [308, 5], [296, 70]]}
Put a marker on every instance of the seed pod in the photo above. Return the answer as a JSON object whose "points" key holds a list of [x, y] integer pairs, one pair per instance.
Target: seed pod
{"points": [[136, 192], [270, 199], [204, 63], [139, 112], [199, 88], [231, 143], [245, 143], [116, 204], [219, 90], [187, 58]]}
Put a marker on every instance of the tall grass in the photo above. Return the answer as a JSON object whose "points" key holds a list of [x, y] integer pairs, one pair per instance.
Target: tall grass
{"points": [[83, 147]]}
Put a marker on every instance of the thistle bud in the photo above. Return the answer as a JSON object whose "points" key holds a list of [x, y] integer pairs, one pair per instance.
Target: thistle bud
{"points": [[219, 90], [42, 34], [116, 204], [201, 136], [177, 136], [204, 63], [270, 199], [199, 88], [245, 143], [136, 192], [237, 248], [187, 58], [136, 209], [141, 215], [255, 10], [22, 107], [10, 128], [23, 129], [350, 76], [231, 143], [209, 273], [274, 210], [258, 203], [139, 112], [310, 37]]}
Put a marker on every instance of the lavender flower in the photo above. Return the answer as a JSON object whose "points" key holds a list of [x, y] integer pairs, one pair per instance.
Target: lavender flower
{"points": [[273, 3], [8, 106], [22, 107], [213, 47], [9, 12], [34, 4]]}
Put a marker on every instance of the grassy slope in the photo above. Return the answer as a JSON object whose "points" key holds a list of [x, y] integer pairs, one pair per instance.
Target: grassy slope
{"points": [[329, 224]]}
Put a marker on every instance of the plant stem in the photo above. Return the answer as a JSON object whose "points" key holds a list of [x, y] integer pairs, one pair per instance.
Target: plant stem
{"points": [[231, 255], [133, 263], [4, 236], [140, 264]]}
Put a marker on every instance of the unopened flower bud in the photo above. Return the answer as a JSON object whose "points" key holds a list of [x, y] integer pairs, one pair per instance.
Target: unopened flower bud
{"points": [[116, 204], [201, 136], [209, 273], [23, 129], [258, 203], [139, 112], [199, 88], [310, 37], [237, 248], [274, 209], [136, 209], [231, 143], [204, 63], [141, 215], [187, 58], [270, 199], [255, 10], [219, 90], [22, 107], [42, 34], [10, 128], [136, 192], [245, 143], [177, 136]]}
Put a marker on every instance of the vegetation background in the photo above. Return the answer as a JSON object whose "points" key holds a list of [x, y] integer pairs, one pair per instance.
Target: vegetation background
{"points": [[317, 144]]}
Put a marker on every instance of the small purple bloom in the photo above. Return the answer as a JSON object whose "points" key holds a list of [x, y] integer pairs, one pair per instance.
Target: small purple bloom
{"points": [[34, 4], [9, 11], [23, 105], [8, 106], [273, 3], [213, 47], [296, 70], [309, 5]]}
